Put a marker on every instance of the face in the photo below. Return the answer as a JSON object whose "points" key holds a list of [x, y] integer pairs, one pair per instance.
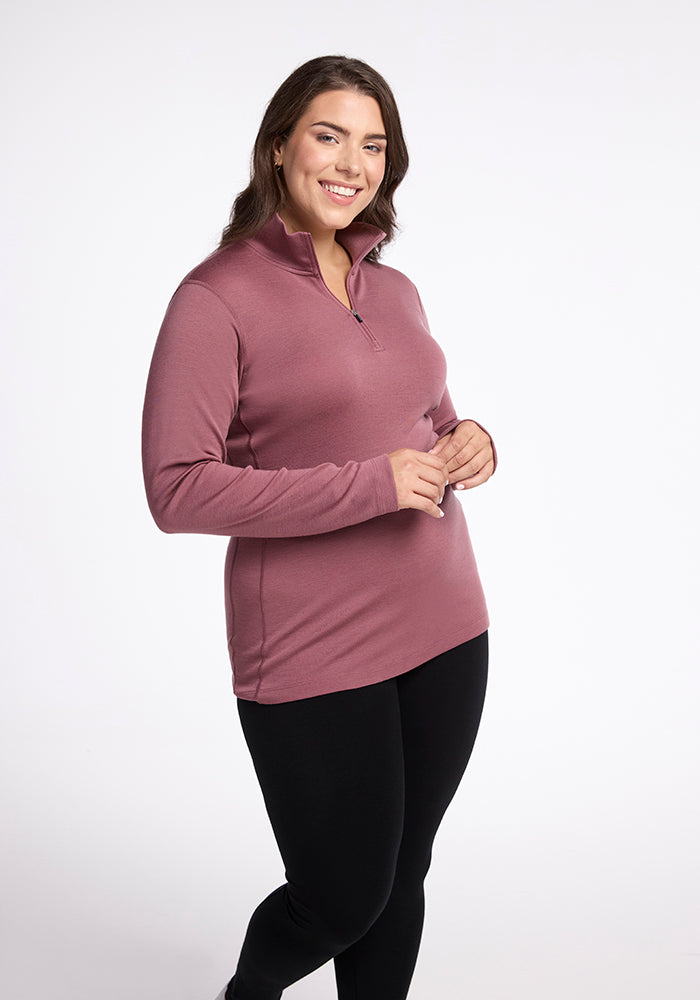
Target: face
{"points": [[333, 162]]}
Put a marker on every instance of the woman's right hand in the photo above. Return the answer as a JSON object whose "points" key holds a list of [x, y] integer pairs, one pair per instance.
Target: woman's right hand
{"points": [[420, 480]]}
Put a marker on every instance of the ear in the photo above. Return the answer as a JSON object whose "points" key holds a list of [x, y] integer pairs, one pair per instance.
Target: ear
{"points": [[277, 147]]}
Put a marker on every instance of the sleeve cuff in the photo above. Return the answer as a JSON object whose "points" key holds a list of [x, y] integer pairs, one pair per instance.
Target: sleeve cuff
{"points": [[387, 498]]}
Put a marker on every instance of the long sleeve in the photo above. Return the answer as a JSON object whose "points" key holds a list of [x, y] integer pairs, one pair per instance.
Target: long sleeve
{"points": [[444, 417], [445, 420], [192, 398]]}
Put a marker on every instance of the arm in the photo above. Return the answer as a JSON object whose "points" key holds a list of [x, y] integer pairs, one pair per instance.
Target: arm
{"points": [[191, 400], [445, 424]]}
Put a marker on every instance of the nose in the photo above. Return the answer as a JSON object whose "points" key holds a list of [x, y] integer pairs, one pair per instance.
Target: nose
{"points": [[348, 161]]}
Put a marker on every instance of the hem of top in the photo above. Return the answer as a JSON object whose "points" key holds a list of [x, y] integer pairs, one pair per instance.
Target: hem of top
{"points": [[278, 696]]}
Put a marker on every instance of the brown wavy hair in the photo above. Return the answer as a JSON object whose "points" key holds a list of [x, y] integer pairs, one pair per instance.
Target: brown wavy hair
{"points": [[265, 193]]}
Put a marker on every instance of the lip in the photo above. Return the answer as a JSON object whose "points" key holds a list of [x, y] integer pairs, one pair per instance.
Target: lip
{"points": [[340, 199]]}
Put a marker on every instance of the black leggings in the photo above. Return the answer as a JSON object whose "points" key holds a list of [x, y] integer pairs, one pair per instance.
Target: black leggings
{"points": [[356, 784]]}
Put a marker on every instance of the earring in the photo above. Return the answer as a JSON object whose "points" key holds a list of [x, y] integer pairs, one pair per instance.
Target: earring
{"points": [[278, 167]]}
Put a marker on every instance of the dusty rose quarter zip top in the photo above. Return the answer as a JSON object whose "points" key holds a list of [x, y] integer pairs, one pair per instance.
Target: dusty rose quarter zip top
{"points": [[270, 412]]}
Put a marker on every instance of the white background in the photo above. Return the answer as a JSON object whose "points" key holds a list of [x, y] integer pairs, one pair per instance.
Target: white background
{"points": [[550, 220]]}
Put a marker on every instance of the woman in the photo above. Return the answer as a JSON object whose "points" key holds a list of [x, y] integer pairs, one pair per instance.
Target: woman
{"points": [[297, 403]]}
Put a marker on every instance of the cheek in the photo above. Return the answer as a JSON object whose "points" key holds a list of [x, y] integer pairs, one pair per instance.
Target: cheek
{"points": [[305, 163], [377, 177]]}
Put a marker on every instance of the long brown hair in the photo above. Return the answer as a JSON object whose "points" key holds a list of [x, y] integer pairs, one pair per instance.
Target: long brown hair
{"points": [[265, 193]]}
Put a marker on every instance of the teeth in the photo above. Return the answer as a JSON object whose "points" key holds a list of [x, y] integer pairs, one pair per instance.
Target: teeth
{"points": [[337, 189]]}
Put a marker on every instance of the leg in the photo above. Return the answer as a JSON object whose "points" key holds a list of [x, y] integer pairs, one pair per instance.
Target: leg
{"points": [[331, 771], [441, 703]]}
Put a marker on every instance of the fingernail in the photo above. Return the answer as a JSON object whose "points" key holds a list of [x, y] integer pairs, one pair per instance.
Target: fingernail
{"points": [[442, 513], [460, 486]]}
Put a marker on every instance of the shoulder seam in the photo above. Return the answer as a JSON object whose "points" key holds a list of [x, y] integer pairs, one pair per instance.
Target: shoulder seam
{"points": [[203, 284], [227, 307]]}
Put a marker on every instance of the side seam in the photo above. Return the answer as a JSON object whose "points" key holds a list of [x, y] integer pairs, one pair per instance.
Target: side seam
{"points": [[263, 635]]}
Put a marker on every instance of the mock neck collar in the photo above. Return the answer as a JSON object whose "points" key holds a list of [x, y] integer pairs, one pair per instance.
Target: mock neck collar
{"points": [[295, 251]]}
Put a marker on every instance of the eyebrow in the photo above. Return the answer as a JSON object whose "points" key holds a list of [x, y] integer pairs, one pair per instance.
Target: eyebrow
{"points": [[344, 131]]}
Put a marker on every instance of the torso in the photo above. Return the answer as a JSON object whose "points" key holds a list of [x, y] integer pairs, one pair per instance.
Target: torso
{"points": [[321, 594]]}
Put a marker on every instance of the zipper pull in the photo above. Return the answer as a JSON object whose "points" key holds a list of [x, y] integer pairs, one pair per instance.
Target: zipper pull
{"points": [[356, 315]]}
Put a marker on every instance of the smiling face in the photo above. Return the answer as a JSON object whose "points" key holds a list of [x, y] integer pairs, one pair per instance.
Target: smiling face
{"points": [[332, 163]]}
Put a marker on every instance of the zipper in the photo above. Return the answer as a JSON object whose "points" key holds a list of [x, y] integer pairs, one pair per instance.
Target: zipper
{"points": [[365, 329], [369, 336], [376, 345]]}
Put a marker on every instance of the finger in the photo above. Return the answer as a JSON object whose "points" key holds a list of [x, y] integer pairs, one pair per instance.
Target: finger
{"points": [[433, 491], [461, 450], [485, 473], [427, 505], [470, 459], [446, 447], [438, 477], [471, 468], [439, 445], [432, 461]]}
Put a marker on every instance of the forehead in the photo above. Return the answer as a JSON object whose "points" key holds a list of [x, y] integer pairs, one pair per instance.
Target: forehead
{"points": [[354, 112]]}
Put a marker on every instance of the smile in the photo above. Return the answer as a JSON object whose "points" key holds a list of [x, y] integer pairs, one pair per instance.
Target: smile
{"points": [[339, 191]]}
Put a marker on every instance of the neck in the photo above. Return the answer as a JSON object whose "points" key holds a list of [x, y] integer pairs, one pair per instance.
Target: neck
{"points": [[325, 245]]}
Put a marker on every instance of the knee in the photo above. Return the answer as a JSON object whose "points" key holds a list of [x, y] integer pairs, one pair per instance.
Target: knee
{"points": [[340, 914], [349, 922]]}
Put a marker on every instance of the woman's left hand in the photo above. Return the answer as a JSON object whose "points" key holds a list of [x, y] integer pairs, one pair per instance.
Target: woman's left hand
{"points": [[468, 454]]}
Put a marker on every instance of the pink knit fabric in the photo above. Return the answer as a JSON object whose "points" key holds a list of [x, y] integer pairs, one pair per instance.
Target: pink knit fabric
{"points": [[269, 415]]}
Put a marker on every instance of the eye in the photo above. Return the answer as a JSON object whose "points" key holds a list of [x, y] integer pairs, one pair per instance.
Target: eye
{"points": [[373, 148], [327, 139]]}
